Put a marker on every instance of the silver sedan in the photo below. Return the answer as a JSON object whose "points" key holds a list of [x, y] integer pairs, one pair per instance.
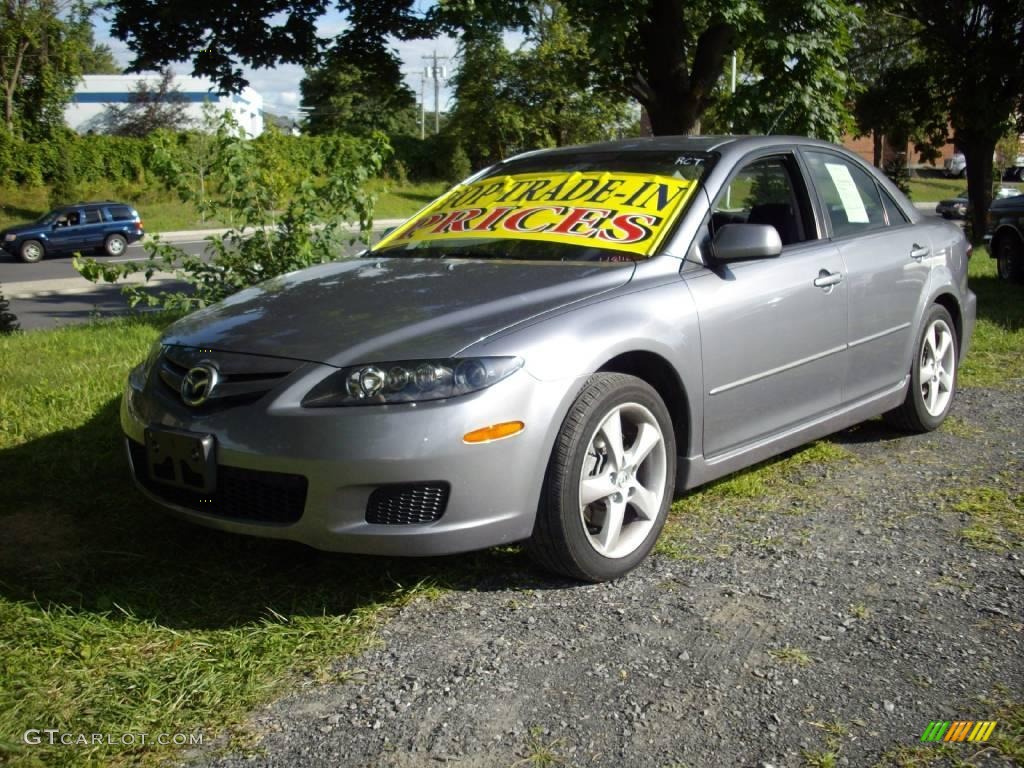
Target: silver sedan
{"points": [[554, 348]]}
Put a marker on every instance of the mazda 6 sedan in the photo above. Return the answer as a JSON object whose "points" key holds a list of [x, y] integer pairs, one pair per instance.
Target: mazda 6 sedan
{"points": [[554, 348]]}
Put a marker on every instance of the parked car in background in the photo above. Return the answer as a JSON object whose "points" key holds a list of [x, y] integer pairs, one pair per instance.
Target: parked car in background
{"points": [[554, 348], [1016, 171], [958, 207], [956, 166], [953, 207], [102, 225], [1005, 236]]}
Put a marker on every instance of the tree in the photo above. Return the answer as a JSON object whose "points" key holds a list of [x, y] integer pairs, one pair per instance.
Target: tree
{"points": [[555, 84], [544, 94], [973, 48], [357, 90], [669, 54], [484, 118], [218, 35], [42, 47], [150, 108]]}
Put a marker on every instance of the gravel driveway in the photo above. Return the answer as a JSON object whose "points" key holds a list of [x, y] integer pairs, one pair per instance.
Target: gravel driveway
{"points": [[825, 624]]}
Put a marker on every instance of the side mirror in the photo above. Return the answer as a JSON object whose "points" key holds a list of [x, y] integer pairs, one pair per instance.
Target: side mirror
{"points": [[742, 242]]}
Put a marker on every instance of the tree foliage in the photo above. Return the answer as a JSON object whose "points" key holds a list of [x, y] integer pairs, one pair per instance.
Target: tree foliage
{"points": [[161, 106], [544, 94], [973, 52], [280, 218], [358, 90], [668, 54], [45, 46]]}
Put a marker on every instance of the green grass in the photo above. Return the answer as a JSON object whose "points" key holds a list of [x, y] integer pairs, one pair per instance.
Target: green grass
{"points": [[995, 520], [933, 189], [116, 618], [396, 201], [162, 211], [996, 357], [789, 655]]}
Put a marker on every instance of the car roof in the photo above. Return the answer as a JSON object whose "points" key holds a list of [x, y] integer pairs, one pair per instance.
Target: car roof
{"points": [[741, 144]]}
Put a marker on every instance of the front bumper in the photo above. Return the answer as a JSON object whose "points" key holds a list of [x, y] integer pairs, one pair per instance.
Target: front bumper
{"points": [[347, 453]]}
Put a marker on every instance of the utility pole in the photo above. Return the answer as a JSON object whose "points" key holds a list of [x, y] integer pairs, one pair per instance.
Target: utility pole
{"points": [[423, 106], [437, 74]]}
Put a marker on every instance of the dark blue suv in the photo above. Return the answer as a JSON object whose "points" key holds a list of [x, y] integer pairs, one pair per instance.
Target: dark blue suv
{"points": [[103, 225]]}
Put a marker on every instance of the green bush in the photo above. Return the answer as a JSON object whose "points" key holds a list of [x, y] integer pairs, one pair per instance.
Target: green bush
{"points": [[434, 158]]}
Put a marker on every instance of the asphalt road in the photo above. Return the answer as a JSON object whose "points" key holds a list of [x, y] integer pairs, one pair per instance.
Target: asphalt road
{"points": [[71, 299]]}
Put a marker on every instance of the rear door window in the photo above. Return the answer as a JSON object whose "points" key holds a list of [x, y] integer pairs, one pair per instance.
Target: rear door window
{"points": [[848, 193], [93, 216]]}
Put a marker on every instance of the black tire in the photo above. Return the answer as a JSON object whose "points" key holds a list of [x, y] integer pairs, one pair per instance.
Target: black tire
{"points": [[115, 245], [1009, 253], [560, 541], [31, 251], [914, 414]]}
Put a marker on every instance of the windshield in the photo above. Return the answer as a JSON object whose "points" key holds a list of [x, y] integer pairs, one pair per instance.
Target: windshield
{"points": [[51, 217], [577, 206]]}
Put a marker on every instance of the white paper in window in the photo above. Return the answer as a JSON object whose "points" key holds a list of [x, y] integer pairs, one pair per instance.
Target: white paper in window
{"points": [[849, 195]]}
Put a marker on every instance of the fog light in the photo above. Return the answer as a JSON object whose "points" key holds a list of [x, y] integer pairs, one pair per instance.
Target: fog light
{"points": [[494, 432]]}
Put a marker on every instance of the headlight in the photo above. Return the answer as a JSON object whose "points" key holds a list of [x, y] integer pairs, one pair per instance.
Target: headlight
{"points": [[10, 238], [409, 381]]}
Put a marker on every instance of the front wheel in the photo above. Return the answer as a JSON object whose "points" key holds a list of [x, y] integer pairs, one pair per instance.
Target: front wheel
{"points": [[609, 482], [932, 376], [1010, 259], [31, 251]]}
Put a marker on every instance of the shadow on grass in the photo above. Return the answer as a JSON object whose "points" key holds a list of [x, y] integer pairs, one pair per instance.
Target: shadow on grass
{"points": [[77, 534], [999, 302], [17, 212]]}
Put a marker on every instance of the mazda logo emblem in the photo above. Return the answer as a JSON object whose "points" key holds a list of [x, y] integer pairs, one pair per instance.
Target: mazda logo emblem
{"points": [[198, 385]]}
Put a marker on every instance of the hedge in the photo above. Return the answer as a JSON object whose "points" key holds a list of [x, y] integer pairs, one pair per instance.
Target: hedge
{"points": [[121, 159]]}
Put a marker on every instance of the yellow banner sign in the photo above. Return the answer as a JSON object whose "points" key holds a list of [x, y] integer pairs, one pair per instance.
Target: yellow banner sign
{"points": [[628, 212]]}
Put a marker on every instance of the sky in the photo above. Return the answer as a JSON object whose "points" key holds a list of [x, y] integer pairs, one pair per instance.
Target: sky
{"points": [[280, 86]]}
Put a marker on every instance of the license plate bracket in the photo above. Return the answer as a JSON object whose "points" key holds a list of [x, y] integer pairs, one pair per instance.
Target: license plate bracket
{"points": [[182, 459]]}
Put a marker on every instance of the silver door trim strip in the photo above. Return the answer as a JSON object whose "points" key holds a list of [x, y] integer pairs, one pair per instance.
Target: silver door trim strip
{"points": [[880, 334], [780, 369]]}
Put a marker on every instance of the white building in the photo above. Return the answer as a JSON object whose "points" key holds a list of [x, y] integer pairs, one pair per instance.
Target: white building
{"points": [[96, 92]]}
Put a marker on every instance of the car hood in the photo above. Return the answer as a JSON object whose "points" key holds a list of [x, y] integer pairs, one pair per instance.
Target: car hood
{"points": [[374, 310]]}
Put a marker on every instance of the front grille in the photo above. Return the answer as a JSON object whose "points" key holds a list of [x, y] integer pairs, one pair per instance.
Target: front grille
{"points": [[407, 504], [241, 494], [242, 378]]}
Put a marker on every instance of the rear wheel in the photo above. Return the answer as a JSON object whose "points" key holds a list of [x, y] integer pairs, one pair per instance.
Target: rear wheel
{"points": [[932, 376], [1010, 258], [115, 245], [31, 251], [609, 483]]}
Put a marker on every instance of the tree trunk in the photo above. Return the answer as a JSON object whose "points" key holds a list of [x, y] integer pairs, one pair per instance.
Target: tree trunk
{"points": [[876, 146], [674, 84], [978, 154]]}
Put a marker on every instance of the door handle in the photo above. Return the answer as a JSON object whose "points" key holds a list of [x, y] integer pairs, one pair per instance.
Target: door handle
{"points": [[919, 251], [826, 279]]}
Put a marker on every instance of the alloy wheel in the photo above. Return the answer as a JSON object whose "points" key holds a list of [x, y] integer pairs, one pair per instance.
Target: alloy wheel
{"points": [[622, 482], [937, 367]]}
